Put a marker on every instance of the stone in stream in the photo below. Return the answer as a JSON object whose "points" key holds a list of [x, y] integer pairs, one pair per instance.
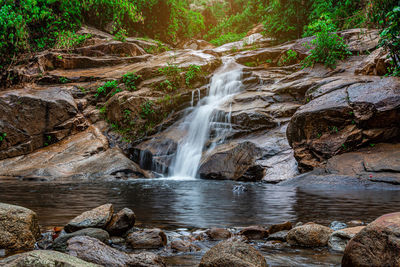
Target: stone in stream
{"points": [[179, 245], [278, 236], [218, 233], [44, 258], [339, 239], [19, 228], [254, 232], [95, 218], [147, 238], [121, 222], [280, 227], [232, 253], [309, 235], [378, 244], [60, 243], [93, 250]]}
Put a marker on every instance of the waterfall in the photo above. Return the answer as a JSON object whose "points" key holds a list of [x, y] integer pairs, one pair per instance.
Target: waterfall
{"points": [[205, 120]]}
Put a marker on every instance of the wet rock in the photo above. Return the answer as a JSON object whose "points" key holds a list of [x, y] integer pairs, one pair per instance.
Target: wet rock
{"points": [[60, 243], [232, 254], [360, 39], [93, 250], [35, 117], [280, 227], [355, 223], [196, 45], [375, 245], [147, 238], [45, 258], [375, 64], [19, 228], [86, 155], [238, 159], [339, 239], [179, 245], [335, 225], [309, 235], [95, 218], [218, 233], [278, 236], [121, 222], [254, 232]]}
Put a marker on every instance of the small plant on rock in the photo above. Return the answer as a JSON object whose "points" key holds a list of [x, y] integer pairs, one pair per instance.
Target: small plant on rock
{"points": [[192, 74], [147, 109], [290, 57], [130, 79], [2, 137], [107, 88]]}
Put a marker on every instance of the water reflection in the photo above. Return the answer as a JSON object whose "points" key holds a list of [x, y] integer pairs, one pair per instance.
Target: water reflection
{"points": [[199, 203]]}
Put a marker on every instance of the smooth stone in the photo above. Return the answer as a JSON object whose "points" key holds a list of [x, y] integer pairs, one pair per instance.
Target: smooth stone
{"points": [[60, 243], [339, 239], [95, 218], [280, 227], [218, 233], [254, 232], [278, 236], [147, 238], [121, 222], [309, 235]]}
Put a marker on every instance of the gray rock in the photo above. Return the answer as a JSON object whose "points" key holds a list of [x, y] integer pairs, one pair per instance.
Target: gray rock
{"points": [[339, 239], [95, 218], [218, 233], [279, 236], [147, 238], [309, 235], [60, 243]]}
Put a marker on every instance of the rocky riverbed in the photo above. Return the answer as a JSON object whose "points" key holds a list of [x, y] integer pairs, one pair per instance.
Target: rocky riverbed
{"points": [[106, 237]]}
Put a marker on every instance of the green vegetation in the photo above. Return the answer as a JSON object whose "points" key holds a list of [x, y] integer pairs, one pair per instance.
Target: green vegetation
{"points": [[174, 78], [108, 87], [192, 74], [130, 79], [290, 57], [2, 137], [147, 109], [70, 39]]}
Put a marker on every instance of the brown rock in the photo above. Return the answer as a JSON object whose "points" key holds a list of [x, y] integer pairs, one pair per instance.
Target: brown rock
{"points": [[147, 238], [179, 245], [232, 254], [254, 232], [355, 223], [376, 245], [279, 227], [121, 222], [95, 218], [60, 243], [309, 235], [19, 228], [218, 233], [93, 250]]}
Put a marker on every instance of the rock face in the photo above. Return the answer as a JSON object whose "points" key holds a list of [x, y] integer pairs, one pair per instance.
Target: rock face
{"points": [[93, 250], [232, 254], [95, 218], [340, 118], [376, 245], [121, 222], [309, 235], [147, 238], [60, 243], [339, 239], [33, 118], [19, 228], [45, 258]]}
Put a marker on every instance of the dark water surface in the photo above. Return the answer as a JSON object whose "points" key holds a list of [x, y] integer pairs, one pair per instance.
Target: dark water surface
{"points": [[199, 203]]}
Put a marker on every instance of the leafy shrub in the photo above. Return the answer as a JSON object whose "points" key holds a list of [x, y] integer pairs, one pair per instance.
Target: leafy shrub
{"points": [[146, 109], [390, 38], [192, 74], [69, 39], [110, 86], [228, 38], [121, 35], [172, 72], [2, 137], [290, 57], [130, 79], [328, 48]]}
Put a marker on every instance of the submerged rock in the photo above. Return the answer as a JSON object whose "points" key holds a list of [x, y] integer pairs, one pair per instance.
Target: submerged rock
{"points": [[95, 218], [339, 239], [232, 254], [19, 228], [309, 235], [93, 250], [45, 258], [60, 243], [147, 238], [376, 245], [121, 222]]}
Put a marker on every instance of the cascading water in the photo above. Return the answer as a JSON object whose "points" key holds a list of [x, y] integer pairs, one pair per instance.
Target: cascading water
{"points": [[205, 119]]}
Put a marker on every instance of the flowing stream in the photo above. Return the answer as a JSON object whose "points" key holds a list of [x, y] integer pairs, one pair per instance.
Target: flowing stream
{"points": [[205, 120]]}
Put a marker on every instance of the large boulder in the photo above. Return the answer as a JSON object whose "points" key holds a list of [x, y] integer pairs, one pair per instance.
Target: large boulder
{"points": [[19, 228], [121, 222], [96, 218], [339, 239], [377, 244], [93, 250], [338, 119], [45, 258], [231, 253], [33, 118], [147, 238], [60, 243], [309, 235]]}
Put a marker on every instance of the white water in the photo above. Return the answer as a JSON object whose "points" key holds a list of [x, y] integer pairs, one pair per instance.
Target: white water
{"points": [[205, 120]]}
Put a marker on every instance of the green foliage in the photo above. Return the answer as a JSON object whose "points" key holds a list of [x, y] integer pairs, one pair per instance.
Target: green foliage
{"points": [[227, 38], [146, 109], [110, 86], [2, 137], [63, 80], [130, 79], [390, 38], [192, 74], [172, 72], [328, 48], [121, 35], [290, 57], [69, 39]]}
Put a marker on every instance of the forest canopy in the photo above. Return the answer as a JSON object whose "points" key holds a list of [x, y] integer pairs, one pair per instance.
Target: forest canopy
{"points": [[32, 25]]}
